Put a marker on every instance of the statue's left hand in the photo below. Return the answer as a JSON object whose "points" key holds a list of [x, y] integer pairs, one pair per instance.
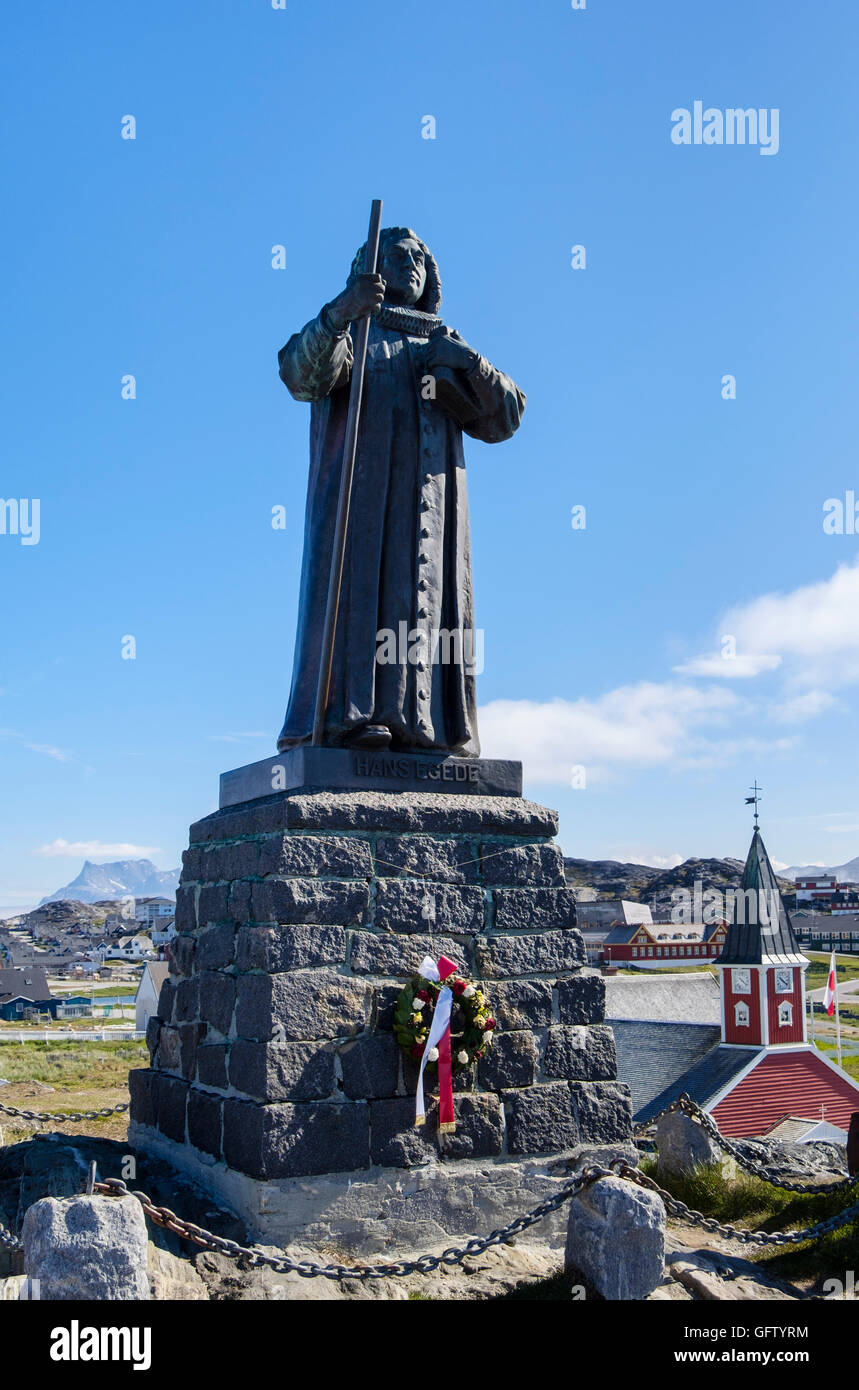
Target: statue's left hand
{"points": [[446, 348]]}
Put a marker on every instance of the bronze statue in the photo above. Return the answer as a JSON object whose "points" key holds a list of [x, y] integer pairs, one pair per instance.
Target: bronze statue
{"points": [[403, 663]]}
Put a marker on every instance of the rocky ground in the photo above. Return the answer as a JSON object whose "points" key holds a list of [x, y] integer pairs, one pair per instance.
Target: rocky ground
{"points": [[797, 1162], [721, 1271]]}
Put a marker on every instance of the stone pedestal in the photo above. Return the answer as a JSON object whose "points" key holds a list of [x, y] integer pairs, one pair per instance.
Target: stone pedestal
{"points": [[275, 1077]]}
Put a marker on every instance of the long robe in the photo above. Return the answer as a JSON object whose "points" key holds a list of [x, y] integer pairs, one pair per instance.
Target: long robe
{"points": [[408, 553]]}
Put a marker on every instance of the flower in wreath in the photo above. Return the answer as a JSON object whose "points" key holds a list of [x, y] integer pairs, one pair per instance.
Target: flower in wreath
{"points": [[471, 1025]]}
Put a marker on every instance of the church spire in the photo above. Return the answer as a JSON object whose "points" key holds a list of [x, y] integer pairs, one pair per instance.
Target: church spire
{"points": [[761, 967], [759, 928]]}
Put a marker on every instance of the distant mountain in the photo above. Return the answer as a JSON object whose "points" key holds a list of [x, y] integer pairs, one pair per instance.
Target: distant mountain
{"points": [[137, 878], [641, 883], [845, 873]]}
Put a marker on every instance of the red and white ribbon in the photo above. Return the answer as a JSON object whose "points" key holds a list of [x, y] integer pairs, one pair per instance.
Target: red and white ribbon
{"points": [[439, 1036]]}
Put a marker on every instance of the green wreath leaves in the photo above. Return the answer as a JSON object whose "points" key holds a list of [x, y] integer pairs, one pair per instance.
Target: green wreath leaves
{"points": [[414, 1013]]}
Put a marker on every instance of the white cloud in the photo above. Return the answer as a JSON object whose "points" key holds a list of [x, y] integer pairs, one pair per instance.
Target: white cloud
{"points": [[802, 707], [47, 750], [814, 625], [740, 667], [634, 726], [94, 849], [237, 738], [809, 634], [639, 855]]}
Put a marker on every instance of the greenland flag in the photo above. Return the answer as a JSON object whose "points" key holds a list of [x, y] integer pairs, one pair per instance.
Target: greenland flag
{"points": [[829, 993]]}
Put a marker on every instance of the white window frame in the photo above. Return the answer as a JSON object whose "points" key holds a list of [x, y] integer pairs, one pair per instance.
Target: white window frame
{"points": [[785, 1014], [742, 1016]]}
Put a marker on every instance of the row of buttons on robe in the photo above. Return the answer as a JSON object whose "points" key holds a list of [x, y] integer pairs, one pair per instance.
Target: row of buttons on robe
{"points": [[423, 559]]}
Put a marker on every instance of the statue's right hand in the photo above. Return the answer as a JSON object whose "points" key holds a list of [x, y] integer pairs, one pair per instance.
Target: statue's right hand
{"points": [[365, 295]]}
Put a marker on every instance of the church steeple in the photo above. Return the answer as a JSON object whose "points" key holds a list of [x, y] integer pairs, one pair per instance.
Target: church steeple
{"points": [[759, 928], [762, 968]]}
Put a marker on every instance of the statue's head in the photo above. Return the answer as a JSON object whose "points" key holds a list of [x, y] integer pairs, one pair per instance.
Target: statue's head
{"points": [[408, 268]]}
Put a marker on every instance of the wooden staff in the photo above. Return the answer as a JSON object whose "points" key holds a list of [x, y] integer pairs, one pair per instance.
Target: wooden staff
{"points": [[347, 473]]}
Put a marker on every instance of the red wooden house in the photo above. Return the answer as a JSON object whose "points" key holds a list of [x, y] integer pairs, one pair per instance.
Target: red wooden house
{"points": [[655, 945], [762, 1067]]}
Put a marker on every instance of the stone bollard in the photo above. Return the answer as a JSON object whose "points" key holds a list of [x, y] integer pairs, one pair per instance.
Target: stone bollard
{"points": [[87, 1248], [616, 1239], [684, 1145]]}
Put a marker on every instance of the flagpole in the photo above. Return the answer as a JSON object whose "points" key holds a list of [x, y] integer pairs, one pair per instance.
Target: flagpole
{"points": [[837, 1011]]}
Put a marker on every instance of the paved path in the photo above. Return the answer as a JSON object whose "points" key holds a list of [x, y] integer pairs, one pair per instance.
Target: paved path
{"points": [[845, 991]]}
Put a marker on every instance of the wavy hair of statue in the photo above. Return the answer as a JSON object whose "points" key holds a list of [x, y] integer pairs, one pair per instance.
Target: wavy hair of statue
{"points": [[430, 300]]}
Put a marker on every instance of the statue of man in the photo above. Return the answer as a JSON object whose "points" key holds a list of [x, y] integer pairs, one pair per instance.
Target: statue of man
{"points": [[403, 674]]}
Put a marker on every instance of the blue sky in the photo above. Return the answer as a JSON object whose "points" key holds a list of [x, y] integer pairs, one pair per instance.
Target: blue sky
{"points": [[258, 127]]}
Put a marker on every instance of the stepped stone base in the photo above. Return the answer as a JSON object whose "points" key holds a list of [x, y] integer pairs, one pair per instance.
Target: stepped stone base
{"points": [[299, 916]]}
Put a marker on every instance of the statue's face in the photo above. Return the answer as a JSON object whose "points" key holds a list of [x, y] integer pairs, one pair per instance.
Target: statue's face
{"points": [[403, 270]]}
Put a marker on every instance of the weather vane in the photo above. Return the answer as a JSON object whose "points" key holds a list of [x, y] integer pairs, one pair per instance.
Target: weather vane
{"points": [[753, 800]]}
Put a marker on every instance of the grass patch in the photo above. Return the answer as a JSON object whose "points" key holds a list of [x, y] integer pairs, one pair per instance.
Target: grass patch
{"points": [[557, 1288], [93, 991], [743, 1201], [849, 1013], [64, 1077], [68, 1065], [849, 1060], [817, 973], [754, 1205]]}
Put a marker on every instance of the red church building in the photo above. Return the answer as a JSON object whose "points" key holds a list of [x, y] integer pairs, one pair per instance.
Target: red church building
{"points": [[760, 1066]]}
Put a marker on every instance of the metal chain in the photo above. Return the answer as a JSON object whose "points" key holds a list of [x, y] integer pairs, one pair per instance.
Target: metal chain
{"points": [[688, 1107], [709, 1223], [75, 1115], [9, 1240], [424, 1264]]}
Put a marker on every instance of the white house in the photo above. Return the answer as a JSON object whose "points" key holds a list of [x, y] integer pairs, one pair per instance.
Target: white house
{"points": [[148, 911], [131, 948], [162, 935], [148, 991]]}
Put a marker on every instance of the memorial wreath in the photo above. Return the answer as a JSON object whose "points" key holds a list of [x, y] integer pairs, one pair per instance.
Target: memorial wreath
{"points": [[422, 1025]]}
